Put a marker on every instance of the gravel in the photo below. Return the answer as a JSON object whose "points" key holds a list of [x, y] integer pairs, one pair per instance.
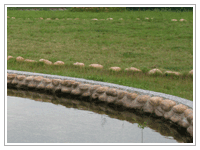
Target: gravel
{"points": [[178, 100]]}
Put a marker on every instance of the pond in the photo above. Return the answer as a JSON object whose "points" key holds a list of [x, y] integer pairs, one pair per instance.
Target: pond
{"points": [[34, 117]]}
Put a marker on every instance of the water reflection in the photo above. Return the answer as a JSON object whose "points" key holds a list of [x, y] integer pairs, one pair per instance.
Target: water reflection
{"points": [[147, 124]]}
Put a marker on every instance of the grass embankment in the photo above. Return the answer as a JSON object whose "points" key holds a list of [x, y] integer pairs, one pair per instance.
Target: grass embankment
{"points": [[144, 44]]}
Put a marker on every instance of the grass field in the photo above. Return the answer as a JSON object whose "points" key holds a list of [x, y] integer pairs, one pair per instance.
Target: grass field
{"points": [[156, 42]]}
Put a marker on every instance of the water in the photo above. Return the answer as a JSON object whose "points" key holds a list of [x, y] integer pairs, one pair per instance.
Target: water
{"points": [[49, 119]]}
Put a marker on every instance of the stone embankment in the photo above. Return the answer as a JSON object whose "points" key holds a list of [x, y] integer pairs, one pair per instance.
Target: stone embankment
{"points": [[169, 109], [152, 71]]}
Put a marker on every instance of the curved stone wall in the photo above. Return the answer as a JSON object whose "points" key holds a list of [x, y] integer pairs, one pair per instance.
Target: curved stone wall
{"points": [[169, 109]]}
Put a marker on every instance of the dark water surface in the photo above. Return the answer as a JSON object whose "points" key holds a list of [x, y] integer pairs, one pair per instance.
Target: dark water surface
{"points": [[48, 119]]}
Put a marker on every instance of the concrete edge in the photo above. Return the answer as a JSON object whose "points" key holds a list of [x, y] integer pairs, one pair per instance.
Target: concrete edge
{"points": [[177, 99]]}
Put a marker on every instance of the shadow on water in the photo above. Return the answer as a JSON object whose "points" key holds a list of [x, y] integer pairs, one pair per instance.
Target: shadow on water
{"points": [[157, 124]]}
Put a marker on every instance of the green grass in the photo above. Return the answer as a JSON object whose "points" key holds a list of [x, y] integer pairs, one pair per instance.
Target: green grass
{"points": [[144, 44]]}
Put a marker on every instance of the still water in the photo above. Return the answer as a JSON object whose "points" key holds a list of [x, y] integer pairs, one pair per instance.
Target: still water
{"points": [[59, 120]]}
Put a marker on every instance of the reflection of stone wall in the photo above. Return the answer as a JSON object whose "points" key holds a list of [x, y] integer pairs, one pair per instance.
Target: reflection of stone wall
{"points": [[163, 127], [177, 113]]}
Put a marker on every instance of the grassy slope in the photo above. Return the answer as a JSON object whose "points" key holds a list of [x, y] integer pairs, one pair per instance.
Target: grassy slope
{"points": [[144, 44]]}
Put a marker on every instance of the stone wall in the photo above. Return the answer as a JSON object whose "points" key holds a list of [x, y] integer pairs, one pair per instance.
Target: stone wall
{"points": [[169, 109], [177, 113]]}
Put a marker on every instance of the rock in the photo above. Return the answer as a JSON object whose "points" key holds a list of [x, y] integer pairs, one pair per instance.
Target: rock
{"points": [[132, 69], [29, 60], [95, 96], [57, 89], [174, 20], [115, 68], [172, 72], [155, 101], [9, 57], [112, 92], [184, 123], [38, 78], [121, 94], [103, 97], [102, 89], [148, 107], [182, 20], [168, 114], [84, 86], [109, 18], [190, 118], [50, 87], [96, 66], [158, 111], [111, 99], [56, 81], [177, 73], [21, 77], [131, 96], [11, 76], [153, 71], [190, 130], [47, 81], [47, 62], [167, 104], [125, 102], [175, 118], [66, 90], [14, 81], [64, 82], [86, 94], [94, 87], [67, 83], [32, 84], [179, 108], [75, 84], [191, 72], [59, 63], [143, 98], [188, 112], [76, 92], [79, 64], [19, 58], [42, 60], [29, 78]]}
